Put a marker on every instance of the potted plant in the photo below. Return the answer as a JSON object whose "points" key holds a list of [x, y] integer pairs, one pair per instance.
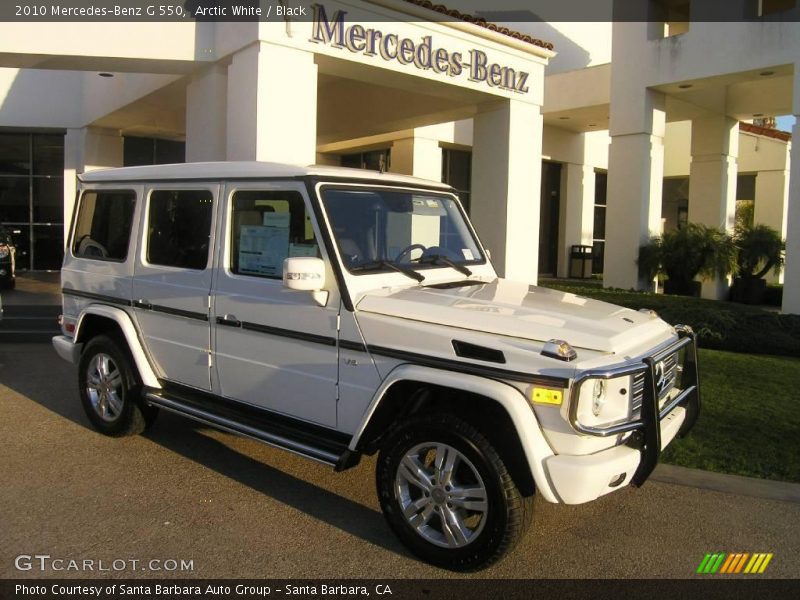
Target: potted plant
{"points": [[760, 250], [684, 254]]}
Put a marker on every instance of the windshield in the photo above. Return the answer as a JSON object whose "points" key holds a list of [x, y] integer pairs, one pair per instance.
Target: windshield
{"points": [[374, 227]]}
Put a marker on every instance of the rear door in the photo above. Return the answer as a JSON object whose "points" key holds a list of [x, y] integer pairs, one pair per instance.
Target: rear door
{"points": [[172, 280], [273, 347]]}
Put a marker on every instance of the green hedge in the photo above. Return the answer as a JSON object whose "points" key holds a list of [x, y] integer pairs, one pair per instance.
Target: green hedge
{"points": [[719, 325]]}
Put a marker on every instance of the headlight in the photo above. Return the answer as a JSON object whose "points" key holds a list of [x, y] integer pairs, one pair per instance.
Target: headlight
{"points": [[4, 251], [604, 402]]}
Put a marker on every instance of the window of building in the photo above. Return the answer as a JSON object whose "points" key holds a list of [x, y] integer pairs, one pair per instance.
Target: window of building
{"points": [[669, 17], [137, 151], [32, 197], [266, 228], [179, 228], [599, 236], [674, 203], [457, 172], [103, 225], [771, 7], [374, 160], [745, 200]]}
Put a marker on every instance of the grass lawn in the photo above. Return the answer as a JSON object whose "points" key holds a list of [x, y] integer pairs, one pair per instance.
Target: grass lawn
{"points": [[750, 418]]}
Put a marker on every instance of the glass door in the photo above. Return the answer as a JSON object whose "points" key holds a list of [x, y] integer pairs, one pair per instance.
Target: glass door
{"points": [[32, 197]]}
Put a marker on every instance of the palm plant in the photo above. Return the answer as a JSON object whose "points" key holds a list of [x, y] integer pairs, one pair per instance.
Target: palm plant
{"points": [[684, 254], [760, 251]]}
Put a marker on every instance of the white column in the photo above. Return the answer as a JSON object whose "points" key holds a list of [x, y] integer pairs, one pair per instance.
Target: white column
{"points": [[791, 284], [771, 204], [417, 156], [206, 115], [85, 149], [635, 180], [272, 105], [712, 182], [578, 210], [506, 180]]}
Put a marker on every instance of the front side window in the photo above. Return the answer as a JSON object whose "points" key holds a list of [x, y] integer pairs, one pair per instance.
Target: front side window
{"points": [[266, 228], [375, 227], [103, 225], [179, 228]]}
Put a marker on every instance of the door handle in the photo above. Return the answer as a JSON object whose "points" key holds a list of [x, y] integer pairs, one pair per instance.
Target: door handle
{"points": [[229, 320], [145, 304]]}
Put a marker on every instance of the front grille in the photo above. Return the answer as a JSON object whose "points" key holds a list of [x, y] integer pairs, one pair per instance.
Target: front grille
{"points": [[665, 375], [638, 391], [665, 378]]}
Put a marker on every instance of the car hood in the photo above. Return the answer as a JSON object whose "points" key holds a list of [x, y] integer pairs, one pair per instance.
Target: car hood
{"points": [[519, 310]]}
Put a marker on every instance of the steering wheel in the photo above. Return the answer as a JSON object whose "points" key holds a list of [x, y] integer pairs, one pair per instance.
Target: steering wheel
{"points": [[440, 251], [407, 250]]}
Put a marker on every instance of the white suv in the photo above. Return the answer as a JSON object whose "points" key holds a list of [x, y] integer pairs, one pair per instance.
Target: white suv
{"points": [[338, 312]]}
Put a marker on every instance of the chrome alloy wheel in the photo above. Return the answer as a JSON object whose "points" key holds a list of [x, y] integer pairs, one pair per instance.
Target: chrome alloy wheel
{"points": [[104, 387], [441, 494]]}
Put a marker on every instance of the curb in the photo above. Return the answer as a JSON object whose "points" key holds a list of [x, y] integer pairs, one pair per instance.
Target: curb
{"points": [[728, 484]]}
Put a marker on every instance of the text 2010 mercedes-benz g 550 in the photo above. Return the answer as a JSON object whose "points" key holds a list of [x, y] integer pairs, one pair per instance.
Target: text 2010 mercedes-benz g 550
{"points": [[338, 312]]}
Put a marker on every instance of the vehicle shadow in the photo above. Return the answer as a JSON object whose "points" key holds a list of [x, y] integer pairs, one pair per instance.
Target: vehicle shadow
{"points": [[35, 372], [186, 438]]}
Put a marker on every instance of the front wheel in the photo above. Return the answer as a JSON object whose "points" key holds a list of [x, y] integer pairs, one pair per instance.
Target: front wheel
{"points": [[448, 495], [110, 389]]}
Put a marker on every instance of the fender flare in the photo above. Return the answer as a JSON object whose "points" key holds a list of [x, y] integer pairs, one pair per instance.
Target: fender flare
{"points": [[123, 320], [531, 438]]}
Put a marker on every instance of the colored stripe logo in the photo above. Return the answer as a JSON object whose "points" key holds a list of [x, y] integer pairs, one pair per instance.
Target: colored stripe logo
{"points": [[734, 563]]}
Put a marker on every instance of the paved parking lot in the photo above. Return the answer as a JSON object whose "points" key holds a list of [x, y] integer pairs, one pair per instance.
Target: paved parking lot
{"points": [[237, 508]]}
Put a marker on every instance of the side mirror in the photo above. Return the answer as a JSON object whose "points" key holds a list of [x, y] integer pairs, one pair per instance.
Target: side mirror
{"points": [[306, 274]]}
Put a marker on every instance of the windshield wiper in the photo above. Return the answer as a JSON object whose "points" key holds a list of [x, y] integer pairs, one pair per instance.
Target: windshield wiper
{"points": [[378, 264], [443, 260]]}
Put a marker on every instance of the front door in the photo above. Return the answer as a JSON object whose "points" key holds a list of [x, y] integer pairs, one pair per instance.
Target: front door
{"points": [[273, 347], [172, 280], [549, 218]]}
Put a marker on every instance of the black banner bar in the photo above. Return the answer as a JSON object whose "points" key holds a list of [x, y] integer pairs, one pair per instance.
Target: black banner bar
{"points": [[495, 11], [709, 587]]}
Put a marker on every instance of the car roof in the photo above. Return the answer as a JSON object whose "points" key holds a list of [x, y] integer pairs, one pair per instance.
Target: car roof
{"points": [[247, 170]]}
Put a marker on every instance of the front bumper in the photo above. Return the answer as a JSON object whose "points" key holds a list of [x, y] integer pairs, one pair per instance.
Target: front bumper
{"points": [[578, 479]]}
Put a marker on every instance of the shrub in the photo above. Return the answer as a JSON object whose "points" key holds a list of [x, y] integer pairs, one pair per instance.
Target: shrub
{"points": [[684, 254], [760, 250]]}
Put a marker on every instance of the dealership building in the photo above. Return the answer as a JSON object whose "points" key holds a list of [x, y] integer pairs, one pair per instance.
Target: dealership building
{"points": [[555, 134]]}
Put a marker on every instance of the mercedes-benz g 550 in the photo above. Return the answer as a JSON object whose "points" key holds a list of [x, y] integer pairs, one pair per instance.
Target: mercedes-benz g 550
{"points": [[336, 313]]}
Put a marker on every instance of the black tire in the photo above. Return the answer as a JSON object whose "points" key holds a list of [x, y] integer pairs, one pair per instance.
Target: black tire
{"points": [[123, 412], [506, 513]]}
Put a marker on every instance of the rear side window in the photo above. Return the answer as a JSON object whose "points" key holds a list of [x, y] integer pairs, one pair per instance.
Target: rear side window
{"points": [[103, 226], [179, 228]]}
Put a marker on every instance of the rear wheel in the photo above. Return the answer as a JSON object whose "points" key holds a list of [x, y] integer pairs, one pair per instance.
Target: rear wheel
{"points": [[110, 389], [448, 495]]}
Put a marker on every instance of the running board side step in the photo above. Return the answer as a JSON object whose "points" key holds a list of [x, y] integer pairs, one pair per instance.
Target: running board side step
{"points": [[330, 457]]}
